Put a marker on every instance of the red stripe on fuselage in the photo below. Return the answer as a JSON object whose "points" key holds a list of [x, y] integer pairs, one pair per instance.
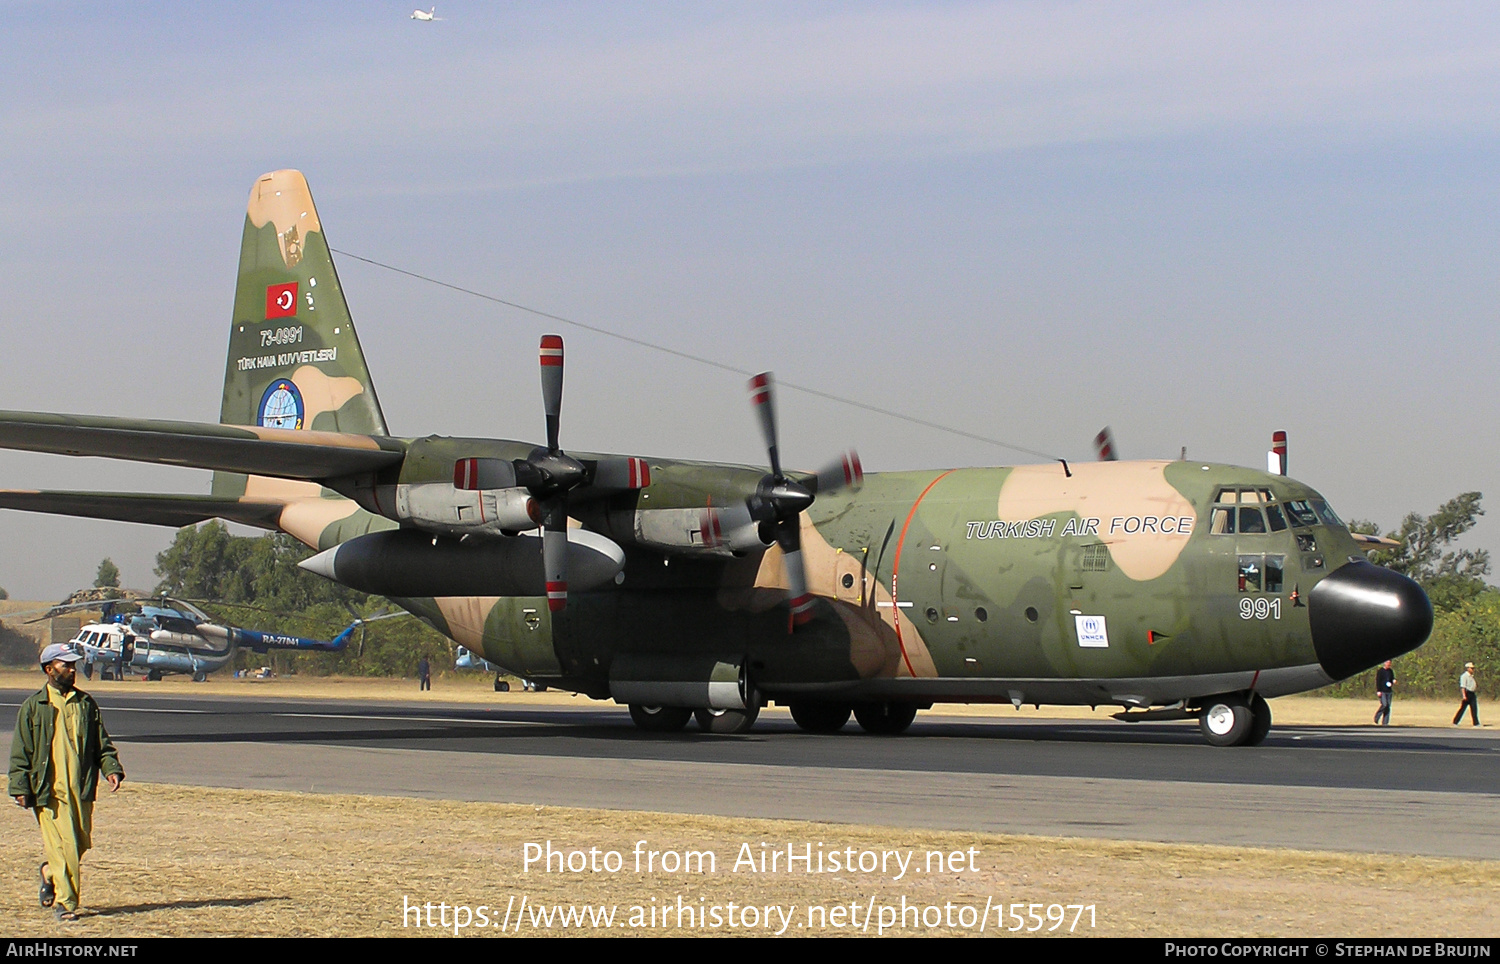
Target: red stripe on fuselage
{"points": [[896, 570]]}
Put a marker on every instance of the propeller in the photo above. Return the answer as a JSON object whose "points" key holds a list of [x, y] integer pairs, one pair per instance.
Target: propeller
{"points": [[549, 474], [779, 501]]}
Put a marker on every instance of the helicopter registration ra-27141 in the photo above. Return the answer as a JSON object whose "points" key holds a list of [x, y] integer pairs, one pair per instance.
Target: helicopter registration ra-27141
{"points": [[175, 636], [689, 589]]}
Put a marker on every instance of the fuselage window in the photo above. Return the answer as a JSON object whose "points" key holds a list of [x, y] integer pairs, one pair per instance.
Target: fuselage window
{"points": [[1250, 573], [1275, 570]]}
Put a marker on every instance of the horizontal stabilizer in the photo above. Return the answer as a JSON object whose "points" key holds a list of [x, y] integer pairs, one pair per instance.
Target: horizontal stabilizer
{"points": [[162, 510], [283, 453]]}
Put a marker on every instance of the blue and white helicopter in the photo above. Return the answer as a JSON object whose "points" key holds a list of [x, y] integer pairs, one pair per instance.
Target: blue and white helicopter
{"points": [[177, 637]]}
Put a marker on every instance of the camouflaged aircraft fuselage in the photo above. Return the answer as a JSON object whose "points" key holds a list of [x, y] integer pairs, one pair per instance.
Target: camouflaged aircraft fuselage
{"points": [[1194, 589]]}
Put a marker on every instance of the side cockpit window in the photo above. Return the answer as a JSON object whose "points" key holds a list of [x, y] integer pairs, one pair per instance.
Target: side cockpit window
{"points": [[1301, 513]]}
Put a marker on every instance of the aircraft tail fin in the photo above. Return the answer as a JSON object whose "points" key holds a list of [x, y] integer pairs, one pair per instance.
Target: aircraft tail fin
{"points": [[294, 361]]}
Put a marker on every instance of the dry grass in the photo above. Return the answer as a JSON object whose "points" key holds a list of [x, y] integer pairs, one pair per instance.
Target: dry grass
{"points": [[176, 861]]}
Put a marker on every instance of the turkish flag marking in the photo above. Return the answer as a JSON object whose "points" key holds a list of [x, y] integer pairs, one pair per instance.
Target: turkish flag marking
{"points": [[281, 300]]}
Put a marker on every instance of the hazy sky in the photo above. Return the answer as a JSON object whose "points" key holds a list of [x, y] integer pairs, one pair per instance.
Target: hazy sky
{"points": [[1197, 223]]}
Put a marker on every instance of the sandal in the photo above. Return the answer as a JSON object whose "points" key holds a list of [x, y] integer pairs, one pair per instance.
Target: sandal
{"points": [[47, 893], [63, 914]]}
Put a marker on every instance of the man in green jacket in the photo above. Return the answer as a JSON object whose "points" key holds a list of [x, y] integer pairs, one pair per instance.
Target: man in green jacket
{"points": [[59, 749]]}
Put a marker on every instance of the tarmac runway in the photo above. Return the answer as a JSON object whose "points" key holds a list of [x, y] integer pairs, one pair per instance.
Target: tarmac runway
{"points": [[1402, 790]]}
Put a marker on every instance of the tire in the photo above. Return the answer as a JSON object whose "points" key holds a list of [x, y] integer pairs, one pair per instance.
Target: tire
{"points": [[501, 686], [660, 719], [885, 719], [1226, 721], [200, 677], [1261, 710], [726, 721], [821, 717], [154, 675]]}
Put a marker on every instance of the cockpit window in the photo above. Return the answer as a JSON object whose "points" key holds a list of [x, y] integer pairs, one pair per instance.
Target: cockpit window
{"points": [[1326, 514], [1273, 515], [1251, 520], [1223, 522], [1302, 514]]}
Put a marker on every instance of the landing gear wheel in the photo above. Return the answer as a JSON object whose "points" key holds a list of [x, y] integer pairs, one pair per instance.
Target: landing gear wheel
{"points": [[1227, 721], [200, 677], [1261, 710], [821, 717], [502, 686], [154, 675], [660, 719], [885, 719], [726, 721]]}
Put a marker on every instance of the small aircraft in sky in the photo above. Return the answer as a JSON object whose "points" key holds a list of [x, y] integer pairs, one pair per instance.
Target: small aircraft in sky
{"points": [[694, 590], [426, 16]]}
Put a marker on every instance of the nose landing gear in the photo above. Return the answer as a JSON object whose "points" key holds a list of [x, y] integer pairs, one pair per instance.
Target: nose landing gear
{"points": [[1235, 719]]}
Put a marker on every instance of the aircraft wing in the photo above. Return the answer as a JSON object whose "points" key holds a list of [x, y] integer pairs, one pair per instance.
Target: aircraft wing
{"points": [[163, 510], [284, 453], [1368, 542]]}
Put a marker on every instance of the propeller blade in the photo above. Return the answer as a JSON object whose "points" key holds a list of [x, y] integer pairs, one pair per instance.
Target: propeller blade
{"points": [[552, 386], [626, 474], [1276, 462], [763, 396], [789, 538], [710, 527], [555, 553], [845, 472], [1104, 445]]}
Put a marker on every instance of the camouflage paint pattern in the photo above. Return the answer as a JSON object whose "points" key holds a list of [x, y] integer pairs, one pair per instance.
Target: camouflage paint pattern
{"points": [[1095, 583]]}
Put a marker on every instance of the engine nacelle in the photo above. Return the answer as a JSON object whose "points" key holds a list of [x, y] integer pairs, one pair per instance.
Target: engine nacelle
{"points": [[712, 530], [445, 509]]}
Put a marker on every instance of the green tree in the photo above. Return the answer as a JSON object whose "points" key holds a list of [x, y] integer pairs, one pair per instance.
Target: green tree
{"points": [[1451, 576], [207, 563], [108, 576]]}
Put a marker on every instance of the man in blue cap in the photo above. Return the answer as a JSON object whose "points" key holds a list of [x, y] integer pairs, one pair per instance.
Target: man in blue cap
{"points": [[56, 756]]}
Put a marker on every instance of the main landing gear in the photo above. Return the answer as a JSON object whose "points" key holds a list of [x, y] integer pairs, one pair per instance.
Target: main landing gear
{"points": [[1235, 719], [672, 719], [878, 719]]}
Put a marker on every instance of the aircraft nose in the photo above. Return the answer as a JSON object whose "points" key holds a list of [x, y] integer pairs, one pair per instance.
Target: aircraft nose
{"points": [[1362, 614]]}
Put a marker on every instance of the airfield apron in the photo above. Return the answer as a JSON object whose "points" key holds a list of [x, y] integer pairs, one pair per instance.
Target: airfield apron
{"points": [[67, 822]]}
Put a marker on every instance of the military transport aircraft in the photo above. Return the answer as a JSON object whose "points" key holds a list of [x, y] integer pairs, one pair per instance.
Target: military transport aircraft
{"points": [[686, 589]]}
